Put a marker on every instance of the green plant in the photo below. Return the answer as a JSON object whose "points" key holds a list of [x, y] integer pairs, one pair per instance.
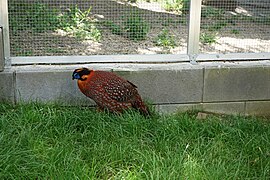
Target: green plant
{"points": [[25, 53], [261, 20], [266, 20], [79, 24], [55, 50], [208, 38], [249, 19], [217, 26], [211, 12], [132, 1], [42, 18], [38, 17], [165, 39], [173, 22], [235, 31], [116, 29], [135, 27], [178, 6]]}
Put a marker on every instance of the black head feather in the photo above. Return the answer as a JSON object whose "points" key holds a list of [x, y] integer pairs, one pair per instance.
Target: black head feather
{"points": [[79, 73]]}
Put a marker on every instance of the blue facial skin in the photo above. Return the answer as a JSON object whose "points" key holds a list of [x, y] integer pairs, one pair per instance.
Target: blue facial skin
{"points": [[76, 76]]}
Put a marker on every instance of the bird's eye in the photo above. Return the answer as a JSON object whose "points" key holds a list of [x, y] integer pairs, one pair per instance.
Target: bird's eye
{"points": [[76, 75]]}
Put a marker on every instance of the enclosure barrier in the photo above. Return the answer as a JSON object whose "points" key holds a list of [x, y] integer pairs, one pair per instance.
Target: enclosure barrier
{"points": [[236, 82], [2, 57], [115, 27], [194, 30], [4, 44]]}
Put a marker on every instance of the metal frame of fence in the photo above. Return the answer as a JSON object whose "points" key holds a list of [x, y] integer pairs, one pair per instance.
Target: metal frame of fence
{"points": [[5, 45], [193, 55], [2, 57]]}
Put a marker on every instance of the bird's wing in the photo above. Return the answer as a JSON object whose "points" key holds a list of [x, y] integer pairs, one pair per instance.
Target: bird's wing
{"points": [[120, 90]]}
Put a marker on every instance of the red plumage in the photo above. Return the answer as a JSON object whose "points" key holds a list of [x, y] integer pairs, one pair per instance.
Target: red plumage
{"points": [[109, 91]]}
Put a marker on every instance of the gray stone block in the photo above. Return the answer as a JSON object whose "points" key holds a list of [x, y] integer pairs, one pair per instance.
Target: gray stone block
{"points": [[49, 86], [236, 84], [173, 108], [260, 108], [168, 86], [225, 108], [158, 86], [7, 89]]}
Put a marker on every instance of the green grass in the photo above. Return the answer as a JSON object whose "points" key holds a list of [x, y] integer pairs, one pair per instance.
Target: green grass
{"points": [[52, 142]]}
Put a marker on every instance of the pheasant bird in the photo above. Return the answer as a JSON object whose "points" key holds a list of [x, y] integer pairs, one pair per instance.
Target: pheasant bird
{"points": [[109, 91]]}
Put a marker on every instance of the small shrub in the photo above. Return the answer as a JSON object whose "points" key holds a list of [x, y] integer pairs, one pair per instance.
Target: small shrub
{"points": [[208, 38], [79, 24], [178, 6], [261, 20], [116, 29], [210, 12], [37, 17], [132, 1], [165, 39], [217, 26], [235, 31], [40, 18], [135, 27], [173, 22]]}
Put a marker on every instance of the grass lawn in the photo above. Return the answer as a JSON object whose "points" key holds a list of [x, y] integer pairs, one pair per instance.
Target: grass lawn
{"points": [[40, 141]]}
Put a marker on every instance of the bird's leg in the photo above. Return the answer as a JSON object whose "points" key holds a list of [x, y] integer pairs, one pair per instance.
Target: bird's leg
{"points": [[100, 109]]}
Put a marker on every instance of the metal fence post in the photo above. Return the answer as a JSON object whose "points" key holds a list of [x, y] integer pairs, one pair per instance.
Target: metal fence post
{"points": [[2, 57], [194, 29], [4, 40]]}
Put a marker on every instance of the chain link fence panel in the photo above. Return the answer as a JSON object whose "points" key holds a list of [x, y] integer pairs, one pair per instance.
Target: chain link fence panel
{"points": [[235, 26], [109, 27], [97, 27]]}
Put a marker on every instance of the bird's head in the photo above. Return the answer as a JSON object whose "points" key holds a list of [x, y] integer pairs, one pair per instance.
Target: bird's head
{"points": [[81, 74]]}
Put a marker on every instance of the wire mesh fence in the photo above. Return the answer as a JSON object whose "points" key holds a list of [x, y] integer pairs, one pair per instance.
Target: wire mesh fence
{"points": [[235, 26], [99, 27], [95, 27]]}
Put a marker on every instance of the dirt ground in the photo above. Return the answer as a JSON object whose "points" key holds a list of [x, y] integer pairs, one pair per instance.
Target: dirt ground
{"points": [[241, 35]]}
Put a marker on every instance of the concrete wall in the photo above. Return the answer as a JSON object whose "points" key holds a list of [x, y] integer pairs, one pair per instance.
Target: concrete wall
{"points": [[232, 88]]}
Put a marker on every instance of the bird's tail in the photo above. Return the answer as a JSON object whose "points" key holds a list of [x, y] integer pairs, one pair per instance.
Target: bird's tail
{"points": [[139, 105]]}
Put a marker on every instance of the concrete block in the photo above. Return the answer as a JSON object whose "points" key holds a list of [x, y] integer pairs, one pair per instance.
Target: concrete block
{"points": [[236, 84], [168, 86], [260, 108], [48, 86], [225, 107], [173, 108], [7, 89]]}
